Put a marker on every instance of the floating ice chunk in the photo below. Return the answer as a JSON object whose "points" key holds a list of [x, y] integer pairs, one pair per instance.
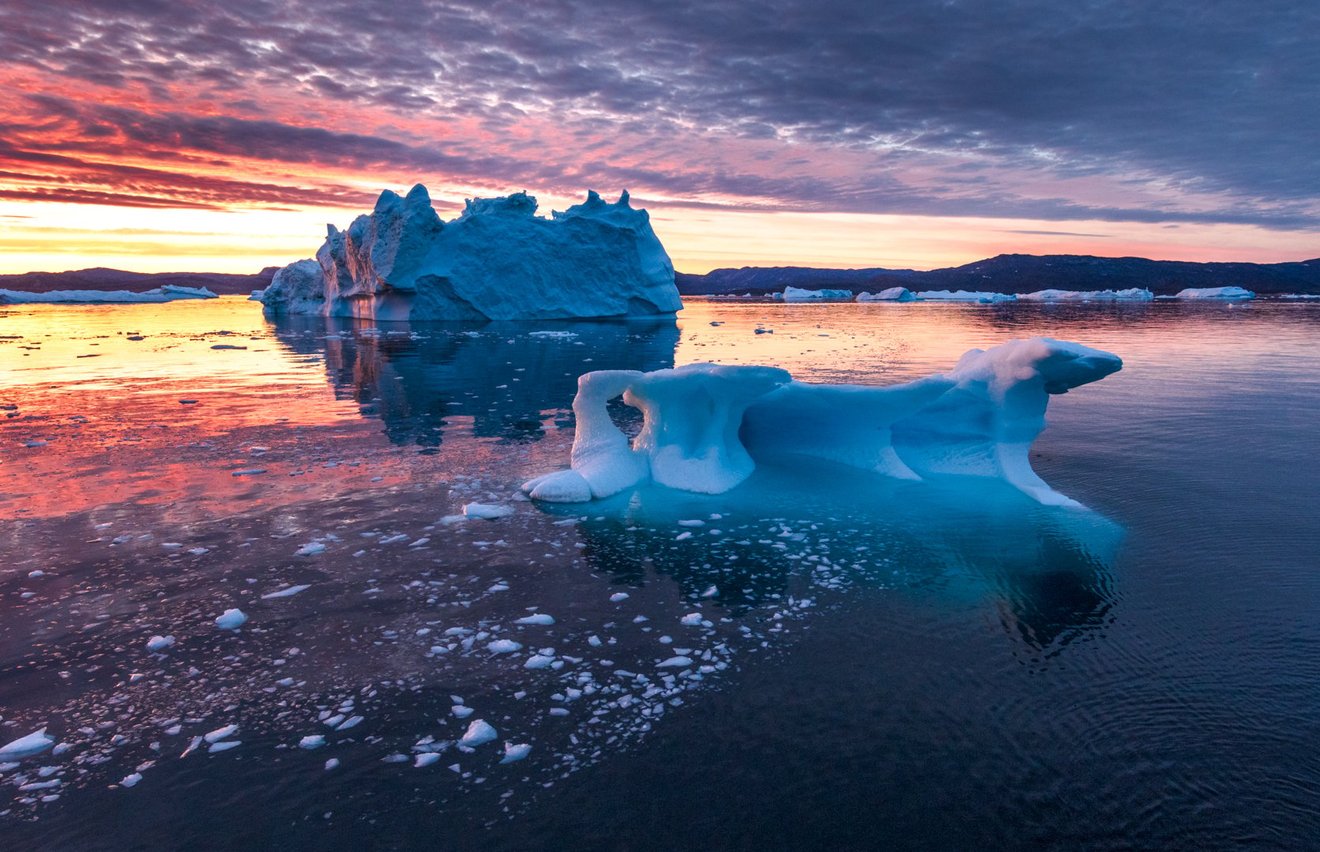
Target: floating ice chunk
{"points": [[311, 741], [231, 619], [226, 745], [332, 763], [514, 752], [486, 511], [130, 780], [498, 260], [893, 294], [1133, 294], [674, 663], [692, 619], [618, 597], [965, 296], [460, 711], [1215, 293], [220, 733], [425, 759], [478, 732], [32, 744], [311, 548], [350, 722], [537, 618], [538, 661], [168, 293], [285, 593], [798, 294], [504, 646], [160, 643]]}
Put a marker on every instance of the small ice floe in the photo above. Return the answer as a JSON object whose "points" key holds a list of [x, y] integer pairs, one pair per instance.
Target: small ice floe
{"points": [[37, 443], [231, 619], [561, 334], [311, 741], [34, 743], [618, 597], [249, 471], [539, 661], [461, 712], [311, 548], [674, 663], [285, 593], [696, 522], [692, 619], [224, 746], [160, 643], [478, 732], [504, 646], [486, 511], [33, 575], [425, 759], [350, 722], [514, 752], [537, 618], [130, 780], [220, 733], [332, 763]]}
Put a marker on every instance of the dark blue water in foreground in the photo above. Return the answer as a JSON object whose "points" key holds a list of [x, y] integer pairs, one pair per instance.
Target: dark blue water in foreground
{"points": [[873, 664]]}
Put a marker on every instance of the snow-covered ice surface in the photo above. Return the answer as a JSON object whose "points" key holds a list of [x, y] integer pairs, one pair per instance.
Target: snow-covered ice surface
{"points": [[817, 640], [498, 260], [1197, 293]]}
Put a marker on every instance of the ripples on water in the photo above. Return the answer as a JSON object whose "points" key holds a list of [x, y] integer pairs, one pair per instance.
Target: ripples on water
{"points": [[871, 663]]}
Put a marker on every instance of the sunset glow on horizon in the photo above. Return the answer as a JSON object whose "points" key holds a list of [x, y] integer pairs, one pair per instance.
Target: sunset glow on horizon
{"points": [[158, 137]]}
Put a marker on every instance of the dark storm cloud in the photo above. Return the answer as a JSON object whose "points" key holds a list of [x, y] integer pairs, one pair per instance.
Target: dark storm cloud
{"points": [[1216, 100]]}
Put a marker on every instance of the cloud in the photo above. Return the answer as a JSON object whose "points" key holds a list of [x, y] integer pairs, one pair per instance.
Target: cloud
{"points": [[1143, 110]]}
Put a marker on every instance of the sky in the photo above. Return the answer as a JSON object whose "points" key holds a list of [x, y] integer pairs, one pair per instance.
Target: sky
{"points": [[167, 135]]}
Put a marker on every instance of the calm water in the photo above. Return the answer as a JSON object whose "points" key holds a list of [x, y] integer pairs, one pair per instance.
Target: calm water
{"points": [[874, 664]]}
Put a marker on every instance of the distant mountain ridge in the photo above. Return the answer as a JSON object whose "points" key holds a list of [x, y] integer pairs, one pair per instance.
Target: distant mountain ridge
{"points": [[100, 278], [1005, 273], [1019, 273]]}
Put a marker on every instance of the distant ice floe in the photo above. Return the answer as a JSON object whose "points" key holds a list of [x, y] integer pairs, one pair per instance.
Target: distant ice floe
{"points": [[798, 294], [1218, 293], [498, 261], [964, 296], [893, 294], [706, 426], [167, 293], [1132, 294]]}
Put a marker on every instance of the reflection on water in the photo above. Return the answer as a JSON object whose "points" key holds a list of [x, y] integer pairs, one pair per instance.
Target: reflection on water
{"points": [[1047, 570], [504, 376]]}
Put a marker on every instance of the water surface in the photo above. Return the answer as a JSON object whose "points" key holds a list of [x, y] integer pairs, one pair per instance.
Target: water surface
{"points": [[872, 663]]}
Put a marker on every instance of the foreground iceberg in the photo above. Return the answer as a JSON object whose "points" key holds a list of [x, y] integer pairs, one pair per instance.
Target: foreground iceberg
{"points": [[1215, 293], [498, 260], [168, 293], [706, 426]]}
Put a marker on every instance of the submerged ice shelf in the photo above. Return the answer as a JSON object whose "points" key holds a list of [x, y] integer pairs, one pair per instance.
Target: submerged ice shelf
{"points": [[707, 425]]}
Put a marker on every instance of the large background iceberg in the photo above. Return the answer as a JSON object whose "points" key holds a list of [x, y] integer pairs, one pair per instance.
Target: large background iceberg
{"points": [[498, 260]]}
